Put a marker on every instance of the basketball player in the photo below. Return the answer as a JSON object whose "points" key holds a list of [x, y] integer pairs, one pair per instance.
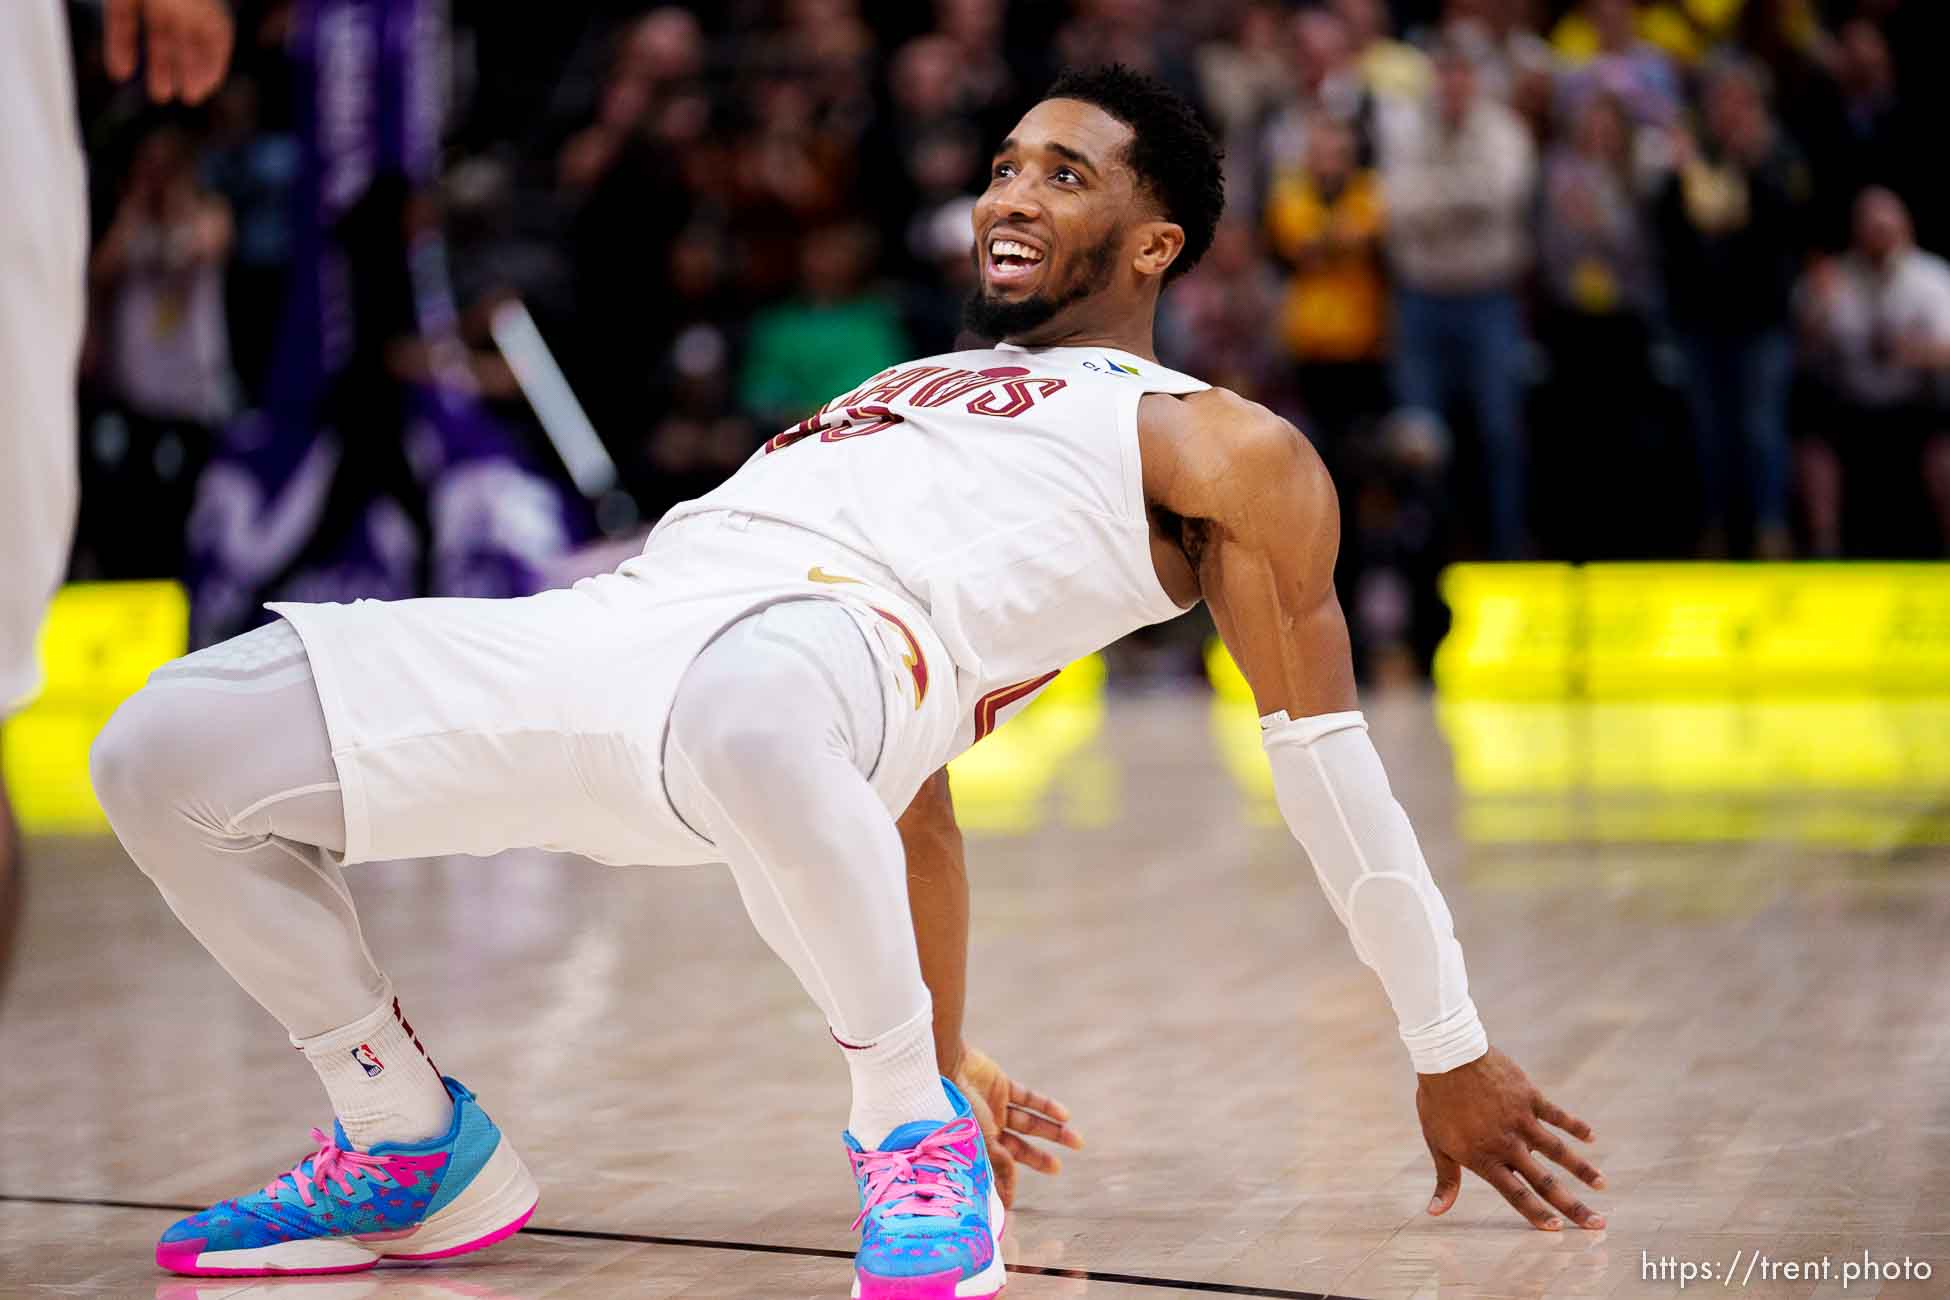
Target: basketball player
{"points": [[43, 252], [785, 668]]}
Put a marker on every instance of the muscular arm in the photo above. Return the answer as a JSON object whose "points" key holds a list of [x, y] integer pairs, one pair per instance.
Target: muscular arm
{"points": [[1265, 564], [1262, 533], [1267, 575], [937, 895]]}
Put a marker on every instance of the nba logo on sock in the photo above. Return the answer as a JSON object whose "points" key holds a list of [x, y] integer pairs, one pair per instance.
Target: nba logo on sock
{"points": [[368, 1061]]}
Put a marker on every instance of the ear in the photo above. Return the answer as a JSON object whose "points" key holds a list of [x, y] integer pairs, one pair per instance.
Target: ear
{"points": [[1157, 246]]}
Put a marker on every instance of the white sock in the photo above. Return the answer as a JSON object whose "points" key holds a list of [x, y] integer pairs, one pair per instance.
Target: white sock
{"points": [[895, 1081], [383, 1085]]}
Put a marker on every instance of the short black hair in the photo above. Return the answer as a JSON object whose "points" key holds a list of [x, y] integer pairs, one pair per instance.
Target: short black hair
{"points": [[1172, 152]]}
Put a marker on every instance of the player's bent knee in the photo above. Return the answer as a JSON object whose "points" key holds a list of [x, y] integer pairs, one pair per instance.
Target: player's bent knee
{"points": [[736, 745], [743, 716], [132, 761]]}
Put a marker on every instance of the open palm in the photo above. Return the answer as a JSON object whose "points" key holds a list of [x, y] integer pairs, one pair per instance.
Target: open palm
{"points": [[1010, 1115]]}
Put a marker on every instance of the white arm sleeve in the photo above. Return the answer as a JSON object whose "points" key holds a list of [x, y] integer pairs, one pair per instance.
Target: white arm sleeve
{"points": [[1335, 798]]}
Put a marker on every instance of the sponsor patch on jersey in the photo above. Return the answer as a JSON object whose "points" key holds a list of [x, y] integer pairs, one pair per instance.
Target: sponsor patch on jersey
{"points": [[1120, 367], [368, 1060]]}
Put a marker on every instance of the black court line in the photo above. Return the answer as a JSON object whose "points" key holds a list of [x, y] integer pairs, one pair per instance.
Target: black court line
{"points": [[761, 1248]]}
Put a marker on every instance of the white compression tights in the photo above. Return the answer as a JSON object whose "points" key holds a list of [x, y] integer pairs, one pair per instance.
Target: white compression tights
{"points": [[776, 729], [218, 777]]}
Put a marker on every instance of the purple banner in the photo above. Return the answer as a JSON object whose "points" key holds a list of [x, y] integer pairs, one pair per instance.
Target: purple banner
{"points": [[350, 481]]}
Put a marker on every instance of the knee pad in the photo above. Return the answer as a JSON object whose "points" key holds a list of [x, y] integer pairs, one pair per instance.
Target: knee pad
{"points": [[145, 740], [212, 733], [261, 659]]}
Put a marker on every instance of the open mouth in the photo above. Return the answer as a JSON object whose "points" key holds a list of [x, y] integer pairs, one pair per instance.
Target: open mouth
{"points": [[1013, 261]]}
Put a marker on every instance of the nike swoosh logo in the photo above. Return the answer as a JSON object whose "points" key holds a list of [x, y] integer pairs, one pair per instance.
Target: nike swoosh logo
{"points": [[817, 574]]}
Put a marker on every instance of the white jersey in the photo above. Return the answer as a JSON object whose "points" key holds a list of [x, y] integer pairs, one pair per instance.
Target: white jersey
{"points": [[999, 490]]}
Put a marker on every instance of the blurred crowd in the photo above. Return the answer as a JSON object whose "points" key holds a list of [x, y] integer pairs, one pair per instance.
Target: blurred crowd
{"points": [[1586, 279]]}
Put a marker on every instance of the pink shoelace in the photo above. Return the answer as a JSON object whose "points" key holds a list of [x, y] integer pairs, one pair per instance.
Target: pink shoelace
{"points": [[331, 1161], [903, 1181]]}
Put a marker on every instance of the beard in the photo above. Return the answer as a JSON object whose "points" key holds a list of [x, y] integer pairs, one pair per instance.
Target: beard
{"points": [[1001, 318]]}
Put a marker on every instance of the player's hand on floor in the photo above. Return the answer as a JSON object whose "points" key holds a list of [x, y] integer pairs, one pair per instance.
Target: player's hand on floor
{"points": [[188, 45], [1489, 1118], [1010, 1115]]}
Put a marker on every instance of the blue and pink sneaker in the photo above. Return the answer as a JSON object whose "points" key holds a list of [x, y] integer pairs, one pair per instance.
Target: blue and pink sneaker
{"points": [[340, 1210], [930, 1220]]}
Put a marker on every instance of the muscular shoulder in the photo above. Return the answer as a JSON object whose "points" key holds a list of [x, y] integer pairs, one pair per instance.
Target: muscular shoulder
{"points": [[1215, 455]]}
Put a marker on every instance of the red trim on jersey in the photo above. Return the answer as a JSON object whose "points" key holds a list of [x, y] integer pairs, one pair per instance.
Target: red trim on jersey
{"points": [[917, 663], [994, 702]]}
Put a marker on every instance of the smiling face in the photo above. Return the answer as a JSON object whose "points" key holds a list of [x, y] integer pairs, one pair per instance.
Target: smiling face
{"points": [[1067, 241]]}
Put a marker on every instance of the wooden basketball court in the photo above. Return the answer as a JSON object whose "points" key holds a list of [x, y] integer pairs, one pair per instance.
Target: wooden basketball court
{"points": [[1753, 1012]]}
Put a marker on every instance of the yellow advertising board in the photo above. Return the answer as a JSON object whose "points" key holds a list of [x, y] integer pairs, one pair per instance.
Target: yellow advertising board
{"points": [[1636, 630], [99, 644]]}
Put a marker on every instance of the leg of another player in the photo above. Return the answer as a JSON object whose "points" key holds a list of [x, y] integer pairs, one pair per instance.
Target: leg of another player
{"points": [[1496, 392], [43, 244], [218, 778], [774, 733], [1820, 472], [1766, 375], [1710, 378]]}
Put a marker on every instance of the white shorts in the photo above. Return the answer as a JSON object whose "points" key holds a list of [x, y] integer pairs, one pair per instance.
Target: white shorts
{"points": [[473, 726], [43, 248]]}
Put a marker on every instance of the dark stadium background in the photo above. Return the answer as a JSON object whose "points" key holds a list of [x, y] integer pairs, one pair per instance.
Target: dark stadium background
{"points": [[720, 214]]}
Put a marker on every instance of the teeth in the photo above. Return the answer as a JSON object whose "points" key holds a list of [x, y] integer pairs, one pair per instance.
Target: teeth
{"points": [[1012, 248]]}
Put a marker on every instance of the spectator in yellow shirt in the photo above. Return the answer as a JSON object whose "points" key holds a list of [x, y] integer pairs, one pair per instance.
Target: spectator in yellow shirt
{"points": [[1325, 222], [1581, 35], [1688, 29], [1393, 69]]}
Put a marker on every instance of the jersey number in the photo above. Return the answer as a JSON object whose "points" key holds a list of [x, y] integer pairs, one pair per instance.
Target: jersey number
{"points": [[837, 426]]}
